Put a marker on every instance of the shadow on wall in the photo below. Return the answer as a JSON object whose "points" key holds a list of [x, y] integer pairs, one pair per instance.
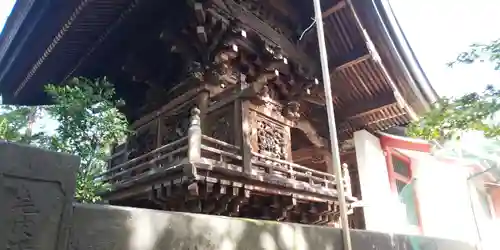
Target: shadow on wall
{"points": [[98, 227]]}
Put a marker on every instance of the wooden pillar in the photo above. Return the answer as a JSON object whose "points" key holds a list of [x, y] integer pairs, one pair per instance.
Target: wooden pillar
{"points": [[246, 129], [243, 129], [194, 142], [202, 102], [329, 165], [347, 179]]}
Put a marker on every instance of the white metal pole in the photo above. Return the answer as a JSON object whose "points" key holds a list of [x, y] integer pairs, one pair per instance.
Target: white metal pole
{"points": [[331, 125]]}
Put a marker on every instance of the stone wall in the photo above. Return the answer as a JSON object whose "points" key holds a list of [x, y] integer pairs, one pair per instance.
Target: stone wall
{"points": [[111, 228], [36, 194]]}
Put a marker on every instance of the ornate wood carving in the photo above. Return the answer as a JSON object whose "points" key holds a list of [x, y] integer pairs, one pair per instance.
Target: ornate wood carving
{"points": [[271, 139], [217, 51], [222, 125], [292, 110], [143, 141], [265, 12], [174, 127]]}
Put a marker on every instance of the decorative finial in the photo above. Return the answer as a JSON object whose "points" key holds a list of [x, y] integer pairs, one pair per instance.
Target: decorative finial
{"points": [[344, 166], [195, 117], [195, 111]]}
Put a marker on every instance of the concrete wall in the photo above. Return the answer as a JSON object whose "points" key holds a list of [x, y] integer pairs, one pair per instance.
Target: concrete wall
{"points": [[113, 228], [381, 208]]}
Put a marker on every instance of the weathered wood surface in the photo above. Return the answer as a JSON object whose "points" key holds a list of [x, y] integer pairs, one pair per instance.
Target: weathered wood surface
{"points": [[248, 89]]}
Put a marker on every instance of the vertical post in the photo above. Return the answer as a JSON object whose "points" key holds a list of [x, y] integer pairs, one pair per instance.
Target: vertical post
{"points": [[194, 142], [347, 179], [202, 102], [246, 148], [331, 124], [243, 128], [159, 140]]}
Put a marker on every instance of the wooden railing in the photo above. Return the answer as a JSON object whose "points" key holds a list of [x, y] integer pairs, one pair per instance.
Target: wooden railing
{"points": [[196, 147], [155, 158], [221, 150], [298, 172]]}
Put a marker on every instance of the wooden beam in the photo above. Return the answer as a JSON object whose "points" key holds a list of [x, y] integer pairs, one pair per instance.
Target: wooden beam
{"points": [[364, 107], [349, 60], [254, 23], [353, 62], [336, 7], [311, 133]]}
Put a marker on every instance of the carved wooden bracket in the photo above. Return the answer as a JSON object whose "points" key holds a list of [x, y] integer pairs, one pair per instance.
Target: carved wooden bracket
{"points": [[291, 111], [311, 133]]}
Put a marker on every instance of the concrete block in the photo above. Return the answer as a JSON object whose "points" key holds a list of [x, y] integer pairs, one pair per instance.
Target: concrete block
{"points": [[110, 227], [36, 194], [310, 237], [367, 240], [414, 242], [99, 227]]}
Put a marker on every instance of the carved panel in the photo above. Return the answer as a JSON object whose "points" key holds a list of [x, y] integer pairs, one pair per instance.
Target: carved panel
{"points": [[174, 127], [142, 141], [271, 139], [221, 125]]}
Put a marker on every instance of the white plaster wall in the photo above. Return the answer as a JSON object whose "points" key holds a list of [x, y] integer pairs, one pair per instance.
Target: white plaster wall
{"points": [[488, 226], [380, 207], [442, 190], [443, 194], [444, 202]]}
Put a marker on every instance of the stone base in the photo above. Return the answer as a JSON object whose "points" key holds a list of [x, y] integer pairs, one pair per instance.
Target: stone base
{"points": [[36, 194], [110, 227]]}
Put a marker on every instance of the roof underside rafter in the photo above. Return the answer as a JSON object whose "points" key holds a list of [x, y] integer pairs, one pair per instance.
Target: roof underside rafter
{"points": [[362, 94]]}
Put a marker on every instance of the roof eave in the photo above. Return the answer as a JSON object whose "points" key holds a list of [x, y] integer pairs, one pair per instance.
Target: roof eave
{"points": [[405, 55], [20, 25]]}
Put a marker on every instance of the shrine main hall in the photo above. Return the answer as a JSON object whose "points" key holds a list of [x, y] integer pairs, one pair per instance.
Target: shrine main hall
{"points": [[225, 97]]}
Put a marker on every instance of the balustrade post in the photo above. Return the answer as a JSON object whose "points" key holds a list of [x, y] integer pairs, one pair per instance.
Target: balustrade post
{"points": [[202, 101], [194, 141], [347, 179]]}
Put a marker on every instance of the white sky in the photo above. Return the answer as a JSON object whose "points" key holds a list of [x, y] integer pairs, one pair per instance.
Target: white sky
{"points": [[5, 8], [437, 31]]}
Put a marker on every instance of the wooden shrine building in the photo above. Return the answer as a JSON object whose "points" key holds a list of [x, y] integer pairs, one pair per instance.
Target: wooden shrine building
{"points": [[224, 96]]}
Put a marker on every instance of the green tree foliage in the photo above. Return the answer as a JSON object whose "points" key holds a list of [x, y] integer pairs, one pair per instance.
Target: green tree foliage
{"points": [[16, 124], [89, 122], [471, 112]]}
